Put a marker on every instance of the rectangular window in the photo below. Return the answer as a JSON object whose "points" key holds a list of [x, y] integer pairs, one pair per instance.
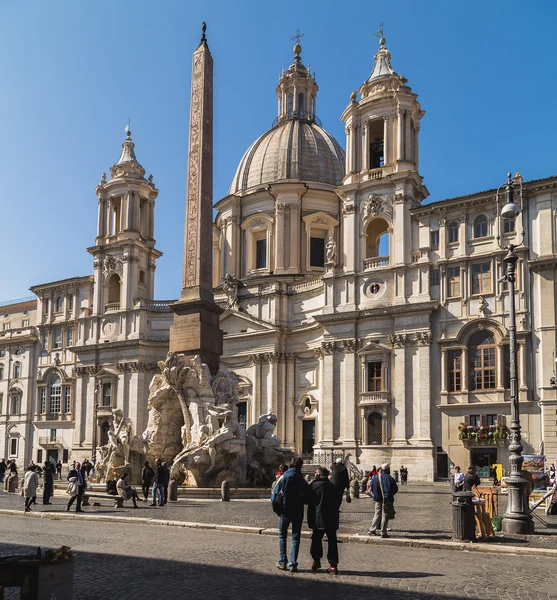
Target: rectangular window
{"points": [[261, 254], [509, 225], [17, 370], [491, 420], [13, 447], [317, 252], [481, 278], [45, 341], [142, 277], [25, 323], [474, 420], [52, 435], [434, 277], [57, 338], [70, 336], [39, 457], [65, 455], [15, 405], [107, 394], [42, 400], [375, 376], [55, 399], [453, 282], [46, 306], [2, 353], [453, 232], [70, 301], [1, 371], [6, 327], [67, 399], [434, 240], [454, 370], [483, 368]]}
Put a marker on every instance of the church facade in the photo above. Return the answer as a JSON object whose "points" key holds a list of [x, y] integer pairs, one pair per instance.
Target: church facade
{"points": [[371, 323]]}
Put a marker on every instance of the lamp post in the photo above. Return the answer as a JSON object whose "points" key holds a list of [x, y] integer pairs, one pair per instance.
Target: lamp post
{"points": [[517, 519], [95, 413]]}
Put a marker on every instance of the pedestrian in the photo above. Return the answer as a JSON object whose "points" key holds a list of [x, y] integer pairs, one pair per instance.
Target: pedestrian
{"points": [[30, 485], [458, 480], [403, 475], [383, 490], [494, 475], [48, 482], [59, 469], [165, 483], [13, 477], [471, 480], [341, 480], [287, 500], [373, 472], [126, 490], [323, 519], [3, 469], [158, 484], [80, 481], [147, 476]]}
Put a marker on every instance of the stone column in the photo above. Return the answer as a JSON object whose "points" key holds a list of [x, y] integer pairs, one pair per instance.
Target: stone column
{"points": [[399, 395], [348, 132], [444, 369], [442, 238], [365, 148], [350, 393], [407, 136], [151, 219], [424, 401], [279, 238], [465, 377], [500, 363], [256, 386], [400, 126], [327, 408], [101, 221], [289, 412], [386, 144], [295, 237]]}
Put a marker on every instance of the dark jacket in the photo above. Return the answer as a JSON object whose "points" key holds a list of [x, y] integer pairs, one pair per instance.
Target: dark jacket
{"points": [[3, 467], [166, 478], [292, 487], [323, 505], [340, 478], [470, 480], [147, 475], [390, 488], [160, 474], [48, 474]]}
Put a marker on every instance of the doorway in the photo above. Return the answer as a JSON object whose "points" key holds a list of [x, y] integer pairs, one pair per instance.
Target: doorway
{"points": [[52, 456], [482, 459], [308, 436]]}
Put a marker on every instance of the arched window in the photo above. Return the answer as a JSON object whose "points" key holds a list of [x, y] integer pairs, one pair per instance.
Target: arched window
{"points": [[290, 104], [59, 304], [378, 241], [453, 232], [483, 361], [480, 226], [54, 395], [105, 427], [301, 110], [17, 370], [375, 428], [114, 289]]}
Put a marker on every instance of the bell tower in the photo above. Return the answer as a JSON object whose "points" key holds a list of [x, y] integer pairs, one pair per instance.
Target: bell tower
{"points": [[124, 252]]}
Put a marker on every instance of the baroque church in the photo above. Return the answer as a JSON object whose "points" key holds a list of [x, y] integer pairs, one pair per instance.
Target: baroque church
{"points": [[372, 323]]}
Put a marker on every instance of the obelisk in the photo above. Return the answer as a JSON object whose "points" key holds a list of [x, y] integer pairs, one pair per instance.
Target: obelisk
{"points": [[196, 320]]}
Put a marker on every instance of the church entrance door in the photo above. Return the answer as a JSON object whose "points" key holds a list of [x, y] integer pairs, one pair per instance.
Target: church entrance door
{"points": [[308, 436]]}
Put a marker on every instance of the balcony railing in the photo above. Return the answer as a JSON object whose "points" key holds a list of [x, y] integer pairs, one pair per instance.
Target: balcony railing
{"points": [[46, 442], [375, 397], [377, 262], [112, 307], [153, 305]]}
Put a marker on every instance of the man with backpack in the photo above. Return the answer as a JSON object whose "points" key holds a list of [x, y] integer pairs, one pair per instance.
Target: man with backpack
{"points": [[288, 500]]}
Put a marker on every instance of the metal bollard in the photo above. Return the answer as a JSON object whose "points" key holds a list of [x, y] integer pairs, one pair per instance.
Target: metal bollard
{"points": [[355, 489], [225, 491], [464, 524], [172, 491]]}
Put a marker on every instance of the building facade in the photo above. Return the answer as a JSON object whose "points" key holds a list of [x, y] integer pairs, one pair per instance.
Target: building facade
{"points": [[369, 322]]}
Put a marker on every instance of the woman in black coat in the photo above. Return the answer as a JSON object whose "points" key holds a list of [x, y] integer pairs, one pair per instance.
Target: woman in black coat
{"points": [[323, 519], [48, 482]]}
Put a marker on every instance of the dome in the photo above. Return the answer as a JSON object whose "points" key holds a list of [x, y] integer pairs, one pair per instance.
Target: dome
{"points": [[295, 149]]}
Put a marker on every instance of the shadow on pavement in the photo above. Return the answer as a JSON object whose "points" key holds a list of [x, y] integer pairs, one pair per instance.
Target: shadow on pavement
{"points": [[99, 576]]}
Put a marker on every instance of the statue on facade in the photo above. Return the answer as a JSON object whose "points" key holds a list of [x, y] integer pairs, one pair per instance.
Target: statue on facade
{"points": [[230, 285], [331, 249]]}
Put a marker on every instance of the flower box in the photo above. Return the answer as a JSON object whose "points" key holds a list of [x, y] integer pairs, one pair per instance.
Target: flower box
{"points": [[483, 434]]}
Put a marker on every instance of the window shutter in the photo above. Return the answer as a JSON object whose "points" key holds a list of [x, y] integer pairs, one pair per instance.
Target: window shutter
{"points": [[483, 420], [501, 420], [467, 419]]}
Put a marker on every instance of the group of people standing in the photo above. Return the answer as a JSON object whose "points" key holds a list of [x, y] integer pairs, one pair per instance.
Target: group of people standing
{"points": [[158, 479]]}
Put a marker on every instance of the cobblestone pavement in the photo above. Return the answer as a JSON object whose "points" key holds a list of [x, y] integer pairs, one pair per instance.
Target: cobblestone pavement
{"points": [[123, 561], [423, 511]]}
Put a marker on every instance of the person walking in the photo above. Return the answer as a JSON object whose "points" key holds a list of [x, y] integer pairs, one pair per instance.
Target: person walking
{"points": [[59, 469], [458, 480], [48, 482], [471, 480], [323, 519], [158, 484], [3, 469], [147, 476], [165, 483], [383, 490], [287, 500], [403, 475], [340, 479], [80, 486], [30, 485]]}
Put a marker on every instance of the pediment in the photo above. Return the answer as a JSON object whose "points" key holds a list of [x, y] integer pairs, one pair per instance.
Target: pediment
{"points": [[233, 322], [374, 347]]}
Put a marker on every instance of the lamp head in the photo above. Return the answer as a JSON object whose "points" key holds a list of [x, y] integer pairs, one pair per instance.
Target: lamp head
{"points": [[510, 211]]}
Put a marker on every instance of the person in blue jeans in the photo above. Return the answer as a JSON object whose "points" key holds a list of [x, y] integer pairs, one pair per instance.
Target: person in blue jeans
{"points": [[158, 483], [289, 496]]}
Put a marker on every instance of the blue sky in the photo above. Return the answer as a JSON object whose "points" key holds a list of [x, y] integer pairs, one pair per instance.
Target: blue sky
{"points": [[73, 72]]}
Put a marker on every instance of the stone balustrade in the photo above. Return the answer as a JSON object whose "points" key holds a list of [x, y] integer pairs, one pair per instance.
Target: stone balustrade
{"points": [[367, 398], [377, 262]]}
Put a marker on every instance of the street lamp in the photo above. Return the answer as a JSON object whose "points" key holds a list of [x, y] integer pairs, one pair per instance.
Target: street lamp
{"points": [[95, 413], [517, 519]]}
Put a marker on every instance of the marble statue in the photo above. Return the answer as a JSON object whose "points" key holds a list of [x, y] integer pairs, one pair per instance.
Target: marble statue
{"points": [[331, 248], [264, 427], [230, 285], [119, 435]]}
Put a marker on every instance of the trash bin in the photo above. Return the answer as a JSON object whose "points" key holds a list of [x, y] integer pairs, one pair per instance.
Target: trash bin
{"points": [[395, 475], [464, 524]]}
